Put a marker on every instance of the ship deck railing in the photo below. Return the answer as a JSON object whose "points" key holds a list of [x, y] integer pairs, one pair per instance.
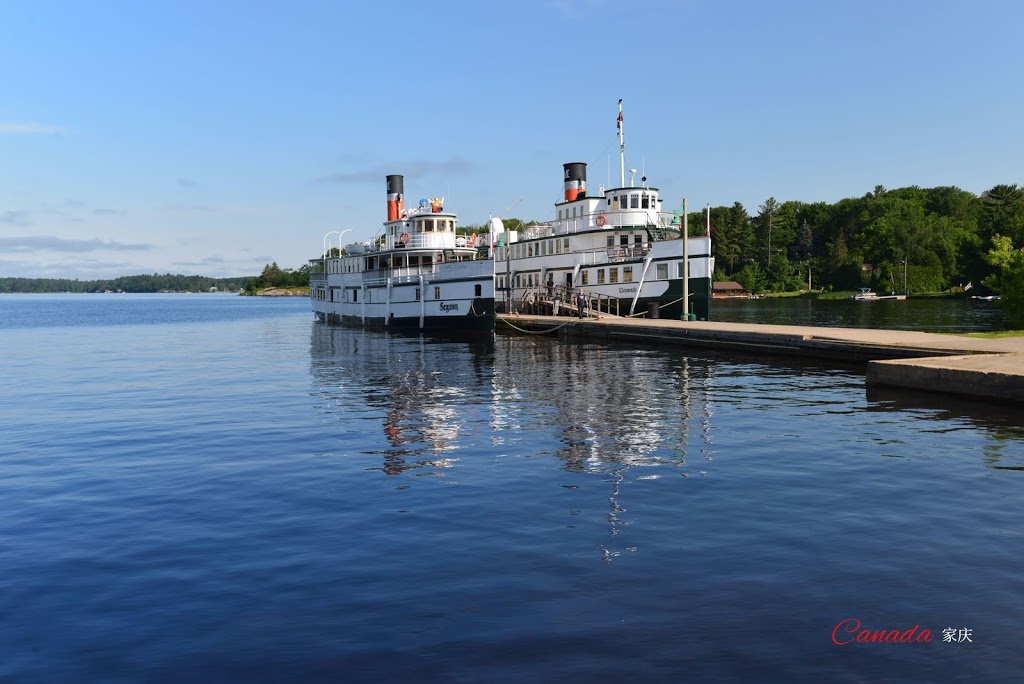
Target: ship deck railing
{"points": [[614, 255], [555, 300]]}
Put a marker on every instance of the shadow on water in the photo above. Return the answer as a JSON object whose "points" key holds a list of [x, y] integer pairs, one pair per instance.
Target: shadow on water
{"points": [[1003, 423]]}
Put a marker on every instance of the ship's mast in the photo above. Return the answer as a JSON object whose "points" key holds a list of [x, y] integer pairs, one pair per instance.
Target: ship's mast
{"points": [[622, 150]]}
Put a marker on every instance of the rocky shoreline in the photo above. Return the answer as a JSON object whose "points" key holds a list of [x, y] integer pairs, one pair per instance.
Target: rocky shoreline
{"points": [[280, 292]]}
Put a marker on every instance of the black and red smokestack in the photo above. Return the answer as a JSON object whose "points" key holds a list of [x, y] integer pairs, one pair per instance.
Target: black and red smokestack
{"points": [[396, 197], [575, 180]]}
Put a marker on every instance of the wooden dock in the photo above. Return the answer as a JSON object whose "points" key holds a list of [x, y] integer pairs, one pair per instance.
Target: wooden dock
{"points": [[954, 364]]}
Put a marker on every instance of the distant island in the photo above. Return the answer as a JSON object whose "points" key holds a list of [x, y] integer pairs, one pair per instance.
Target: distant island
{"points": [[273, 282]]}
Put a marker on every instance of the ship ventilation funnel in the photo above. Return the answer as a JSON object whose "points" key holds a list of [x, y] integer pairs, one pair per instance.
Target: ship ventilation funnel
{"points": [[575, 180], [396, 197]]}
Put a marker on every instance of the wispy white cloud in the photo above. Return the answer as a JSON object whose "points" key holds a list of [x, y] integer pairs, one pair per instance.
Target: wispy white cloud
{"points": [[51, 243], [29, 128]]}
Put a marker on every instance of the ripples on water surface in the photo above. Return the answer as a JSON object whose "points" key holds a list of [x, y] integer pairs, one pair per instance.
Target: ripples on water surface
{"points": [[263, 498]]}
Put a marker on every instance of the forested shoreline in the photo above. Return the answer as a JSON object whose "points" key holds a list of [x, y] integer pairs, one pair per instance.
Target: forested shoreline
{"points": [[940, 238]]}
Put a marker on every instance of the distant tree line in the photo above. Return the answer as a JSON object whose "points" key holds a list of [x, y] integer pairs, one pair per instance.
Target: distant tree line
{"points": [[134, 283]]}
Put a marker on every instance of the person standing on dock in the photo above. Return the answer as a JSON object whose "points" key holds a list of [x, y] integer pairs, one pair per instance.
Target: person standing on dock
{"points": [[581, 301]]}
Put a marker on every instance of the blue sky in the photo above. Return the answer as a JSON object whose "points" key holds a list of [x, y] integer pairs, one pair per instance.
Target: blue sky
{"points": [[211, 138]]}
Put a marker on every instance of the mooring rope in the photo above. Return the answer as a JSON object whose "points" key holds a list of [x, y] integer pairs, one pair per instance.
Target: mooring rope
{"points": [[534, 332]]}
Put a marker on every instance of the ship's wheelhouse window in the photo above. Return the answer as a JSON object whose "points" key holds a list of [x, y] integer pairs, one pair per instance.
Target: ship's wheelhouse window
{"points": [[586, 277], [610, 241], [624, 240], [627, 274], [429, 223], [600, 276], [634, 201], [622, 201], [638, 238], [613, 275], [662, 272], [645, 202]]}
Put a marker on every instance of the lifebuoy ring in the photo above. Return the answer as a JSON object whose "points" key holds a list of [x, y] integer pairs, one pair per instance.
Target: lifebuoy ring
{"points": [[600, 220], [404, 238]]}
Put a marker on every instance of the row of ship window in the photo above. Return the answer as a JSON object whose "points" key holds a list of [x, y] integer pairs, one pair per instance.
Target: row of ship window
{"points": [[561, 245], [616, 202], [354, 265], [613, 276], [321, 294]]}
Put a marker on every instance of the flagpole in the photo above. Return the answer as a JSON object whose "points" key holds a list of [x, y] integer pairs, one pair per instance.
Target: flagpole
{"points": [[686, 265], [622, 150]]}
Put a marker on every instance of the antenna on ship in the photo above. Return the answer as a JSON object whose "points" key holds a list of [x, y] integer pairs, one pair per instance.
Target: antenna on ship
{"points": [[622, 149]]}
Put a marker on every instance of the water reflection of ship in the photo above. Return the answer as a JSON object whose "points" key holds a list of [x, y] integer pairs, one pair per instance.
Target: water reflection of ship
{"points": [[419, 383], [624, 414], [614, 406]]}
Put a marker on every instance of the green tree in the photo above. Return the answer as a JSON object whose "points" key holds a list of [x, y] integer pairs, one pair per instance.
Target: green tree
{"points": [[1008, 279]]}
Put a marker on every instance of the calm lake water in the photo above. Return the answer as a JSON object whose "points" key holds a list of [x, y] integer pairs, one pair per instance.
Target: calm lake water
{"points": [[216, 488], [931, 315]]}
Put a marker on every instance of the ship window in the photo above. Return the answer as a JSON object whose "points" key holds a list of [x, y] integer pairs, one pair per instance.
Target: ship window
{"points": [[565, 244], [437, 292], [613, 275], [638, 238], [609, 202], [622, 202], [600, 276], [634, 201], [610, 241], [662, 272], [417, 294], [558, 246], [586, 278], [529, 250], [355, 295], [645, 202], [428, 225], [624, 240], [627, 274], [478, 290], [679, 268]]}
